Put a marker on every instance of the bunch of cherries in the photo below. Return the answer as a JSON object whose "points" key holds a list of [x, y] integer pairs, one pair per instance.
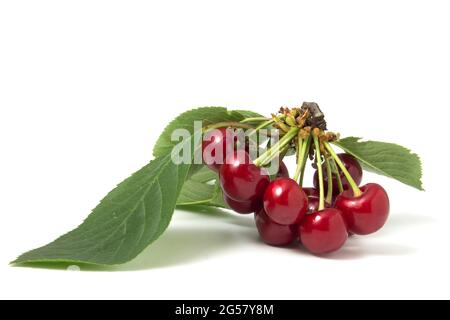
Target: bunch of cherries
{"points": [[284, 211]]}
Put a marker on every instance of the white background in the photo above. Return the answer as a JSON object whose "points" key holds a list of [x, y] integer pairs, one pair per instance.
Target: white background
{"points": [[87, 86]]}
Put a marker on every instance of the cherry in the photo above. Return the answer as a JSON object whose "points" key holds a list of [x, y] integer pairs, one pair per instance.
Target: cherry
{"points": [[243, 207], [240, 179], [285, 202], [283, 171], [323, 231], [273, 233], [313, 199], [313, 192], [215, 147], [367, 213], [313, 204], [353, 167]]}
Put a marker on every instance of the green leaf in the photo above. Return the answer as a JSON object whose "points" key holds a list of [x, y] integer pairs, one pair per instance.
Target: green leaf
{"points": [[246, 114], [139, 209], [209, 115], [202, 189], [204, 175], [386, 159], [126, 221], [217, 200], [195, 193]]}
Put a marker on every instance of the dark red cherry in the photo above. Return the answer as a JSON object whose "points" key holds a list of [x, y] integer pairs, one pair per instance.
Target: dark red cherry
{"points": [[367, 213], [313, 204], [285, 202], [240, 179], [243, 207], [353, 167], [273, 233], [283, 172], [216, 146], [323, 231], [313, 192]]}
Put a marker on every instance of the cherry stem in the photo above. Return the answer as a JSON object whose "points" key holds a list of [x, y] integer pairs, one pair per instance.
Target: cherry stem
{"points": [[356, 191], [227, 124], [276, 148], [264, 124], [255, 119], [280, 147], [305, 158], [283, 152], [329, 198], [300, 156], [261, 126], [320, 171], [338, 176]]}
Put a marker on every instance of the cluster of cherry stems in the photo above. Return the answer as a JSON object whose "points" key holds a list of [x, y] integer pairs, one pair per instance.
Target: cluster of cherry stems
{"points": [[286, 212]]}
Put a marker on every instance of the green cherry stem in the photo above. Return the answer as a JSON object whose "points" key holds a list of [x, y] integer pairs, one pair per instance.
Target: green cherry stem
{"points": [[282, 152], [261, 126], [279, 153], [356, 191], [264, 124], [320, 171], [227, 124], [329, 198], [306, 147], [276, 148], [338, 176], [255, 119], [274, 151], [300, 155]]}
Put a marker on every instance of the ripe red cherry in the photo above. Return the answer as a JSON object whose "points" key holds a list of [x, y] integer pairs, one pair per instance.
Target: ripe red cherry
{"points": [[313, 192], [273, 233], [367, 213], [240, 179], [215, 147], [283, 171], [323, 231], [313, 199], [313, 204], [285, 202], [353, 167], [243, 207]]}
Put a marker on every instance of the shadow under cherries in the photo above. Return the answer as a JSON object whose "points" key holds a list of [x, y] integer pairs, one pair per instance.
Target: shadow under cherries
{"points": [[187, 244]]}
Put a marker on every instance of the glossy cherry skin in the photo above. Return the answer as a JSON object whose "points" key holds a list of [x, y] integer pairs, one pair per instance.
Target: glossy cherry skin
{"points": [[313, 204], [353, 167], [243, 207], [283, 171], [285, 202], [273, 233], [323, 231], [367, 213], [313, 192], [313, 199], [240, 179], [215, 147]]}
